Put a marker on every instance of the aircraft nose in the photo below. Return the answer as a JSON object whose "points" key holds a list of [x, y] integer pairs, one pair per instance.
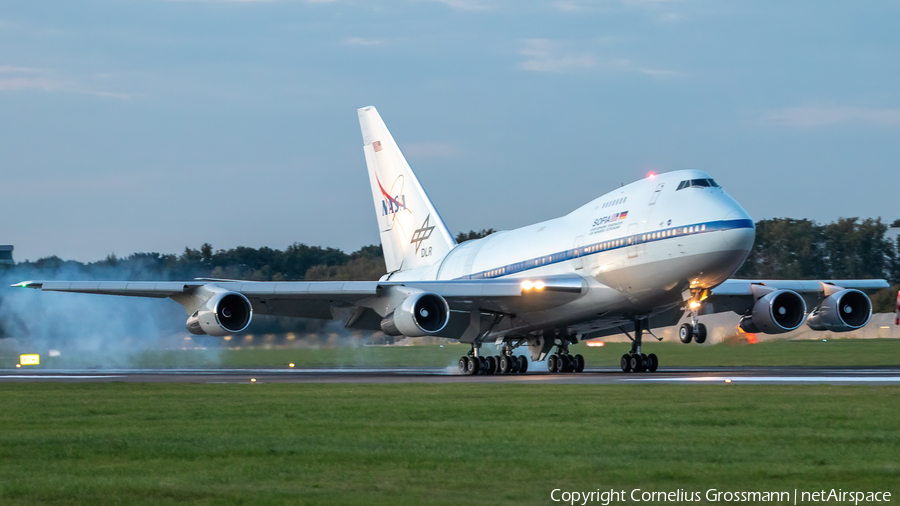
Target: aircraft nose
{"points": [[742, 232]]}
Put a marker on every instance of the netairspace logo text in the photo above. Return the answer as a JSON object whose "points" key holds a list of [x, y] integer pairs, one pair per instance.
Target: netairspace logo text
{"points": [[607, 497]]}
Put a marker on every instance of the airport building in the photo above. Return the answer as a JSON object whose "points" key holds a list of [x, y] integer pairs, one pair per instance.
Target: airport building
{"points": [[6, 255]]}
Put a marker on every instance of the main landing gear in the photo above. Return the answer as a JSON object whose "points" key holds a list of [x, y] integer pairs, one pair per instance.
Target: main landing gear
{"points": [[637, 361], [505, 363], [562, 361]]}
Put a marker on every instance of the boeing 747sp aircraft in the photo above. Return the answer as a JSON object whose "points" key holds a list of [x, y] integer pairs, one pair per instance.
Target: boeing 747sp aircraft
{"points": [[633, 259]]}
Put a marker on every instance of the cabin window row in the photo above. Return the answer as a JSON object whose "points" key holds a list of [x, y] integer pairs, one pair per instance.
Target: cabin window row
{"points": [[615, 202], [673, 232]]}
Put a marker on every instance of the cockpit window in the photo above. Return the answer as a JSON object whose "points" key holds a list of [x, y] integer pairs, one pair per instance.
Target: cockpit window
{"points": [[698, 183]]}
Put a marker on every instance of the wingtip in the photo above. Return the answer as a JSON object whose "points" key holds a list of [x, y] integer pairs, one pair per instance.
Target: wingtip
{"points": [[27, 284]]}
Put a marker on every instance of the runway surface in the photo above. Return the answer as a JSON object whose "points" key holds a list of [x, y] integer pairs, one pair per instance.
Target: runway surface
{"points": [[691, 375]]}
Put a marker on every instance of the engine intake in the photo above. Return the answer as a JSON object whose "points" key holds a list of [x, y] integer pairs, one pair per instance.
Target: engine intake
{"points": [[418, 315], [843, 311], [223, 314], [775, 313]]}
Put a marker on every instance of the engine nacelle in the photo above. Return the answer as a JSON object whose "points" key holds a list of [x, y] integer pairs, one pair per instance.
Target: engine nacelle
{"points": [[420, 314], [223, 314], [842, 311], [776, 312]]}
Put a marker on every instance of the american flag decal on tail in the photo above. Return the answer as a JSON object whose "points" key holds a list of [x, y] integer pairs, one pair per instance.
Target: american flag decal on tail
{"points": [[377, 146]]}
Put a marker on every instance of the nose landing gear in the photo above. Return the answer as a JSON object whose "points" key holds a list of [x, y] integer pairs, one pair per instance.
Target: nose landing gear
{"points": [[694, 330]]}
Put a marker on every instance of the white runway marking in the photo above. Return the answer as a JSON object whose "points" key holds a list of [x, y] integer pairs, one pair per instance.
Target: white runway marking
{"points": [[778, 379], [56, 376]]}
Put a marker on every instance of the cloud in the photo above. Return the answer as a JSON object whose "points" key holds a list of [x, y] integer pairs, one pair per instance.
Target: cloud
{"points": [[466, 5], [360, 41], [544, 55], [13, 78], [815, 116], [660, 10], [23, 83]]}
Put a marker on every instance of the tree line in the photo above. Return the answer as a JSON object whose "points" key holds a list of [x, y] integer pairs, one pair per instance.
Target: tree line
{"points": [[785, 248]]}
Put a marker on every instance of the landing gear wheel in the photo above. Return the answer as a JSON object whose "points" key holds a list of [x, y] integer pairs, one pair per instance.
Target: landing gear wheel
{"points": [[652, 362], [552, 363], [700, 336], [492, 365], [579, 363], [473, 366], [637, 363], [566, 361], [686, 333], [483, 366], [626, 363], [463, 365], [523, 364], [505, 364]]}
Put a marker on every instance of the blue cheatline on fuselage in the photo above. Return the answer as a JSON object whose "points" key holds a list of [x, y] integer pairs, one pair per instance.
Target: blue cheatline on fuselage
{"points": [[661, 234]]}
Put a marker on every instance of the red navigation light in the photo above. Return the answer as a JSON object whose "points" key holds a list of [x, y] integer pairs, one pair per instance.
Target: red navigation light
{"points": [[651, 175]]}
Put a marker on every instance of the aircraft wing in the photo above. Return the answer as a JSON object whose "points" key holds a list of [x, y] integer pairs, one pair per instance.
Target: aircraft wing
{"points": [[318, 299], [737, 287], [738, 295]]}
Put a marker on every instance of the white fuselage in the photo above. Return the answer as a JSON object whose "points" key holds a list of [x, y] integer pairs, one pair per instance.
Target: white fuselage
{"points": [[641, 247]]}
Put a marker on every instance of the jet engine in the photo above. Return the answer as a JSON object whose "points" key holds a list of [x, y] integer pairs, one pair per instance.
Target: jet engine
{"points": [[776, 312], [841, 311], [223, 314], [419, 314]]}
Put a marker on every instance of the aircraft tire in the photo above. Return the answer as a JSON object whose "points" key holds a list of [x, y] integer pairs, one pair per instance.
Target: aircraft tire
{"points": [[652, 362], [504, 364], [492, 364], [637, 364], [570, 363], [473, 366], [552, 363], [685, 333], [625, 363], [700, 336], [463, 365], [523, 364], [483, 366], [579, 363]]}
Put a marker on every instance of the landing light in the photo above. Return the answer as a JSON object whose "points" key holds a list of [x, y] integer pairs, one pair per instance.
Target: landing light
{"points": [[528, 285], [595, 344], [694, 304]]}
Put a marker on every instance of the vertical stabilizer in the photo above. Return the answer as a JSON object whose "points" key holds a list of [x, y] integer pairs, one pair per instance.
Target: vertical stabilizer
{"points": [[412, 232]]}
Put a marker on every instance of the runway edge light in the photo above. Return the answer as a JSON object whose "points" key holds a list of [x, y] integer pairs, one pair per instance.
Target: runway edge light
{"points": [[30, 359]]}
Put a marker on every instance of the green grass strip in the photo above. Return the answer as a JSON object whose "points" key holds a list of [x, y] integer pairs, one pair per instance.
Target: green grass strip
{"points": [[117, 443]]}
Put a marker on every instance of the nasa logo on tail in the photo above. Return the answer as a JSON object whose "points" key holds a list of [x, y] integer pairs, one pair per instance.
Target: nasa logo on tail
{"points": [[396, 203]]}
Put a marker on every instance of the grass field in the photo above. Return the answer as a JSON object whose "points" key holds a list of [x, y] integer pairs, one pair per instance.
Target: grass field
{"points": [[834, 352], [435, 444]]}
